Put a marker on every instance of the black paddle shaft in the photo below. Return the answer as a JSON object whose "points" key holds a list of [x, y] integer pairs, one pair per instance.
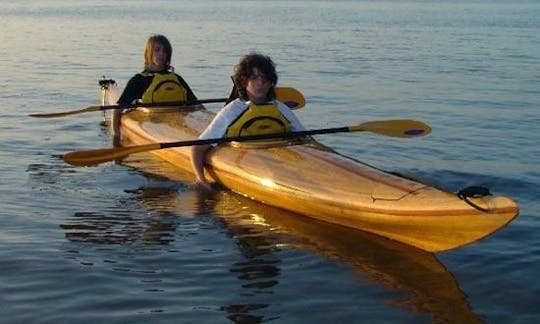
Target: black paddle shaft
{"points": [[256, 137]]}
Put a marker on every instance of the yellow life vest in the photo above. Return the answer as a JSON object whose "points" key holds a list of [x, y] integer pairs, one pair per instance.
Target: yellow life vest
{"points": [[165, 87], [259, 119]]}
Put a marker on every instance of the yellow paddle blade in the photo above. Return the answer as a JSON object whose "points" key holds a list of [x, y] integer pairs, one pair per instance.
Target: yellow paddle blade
{"points": [[93, 157], [293, 98], [394, 128]]}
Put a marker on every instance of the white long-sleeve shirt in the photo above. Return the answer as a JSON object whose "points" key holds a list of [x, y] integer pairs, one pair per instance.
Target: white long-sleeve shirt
{"points": [[228, 114]]}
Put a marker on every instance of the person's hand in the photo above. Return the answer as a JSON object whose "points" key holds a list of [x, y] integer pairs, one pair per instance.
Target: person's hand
{"points": [[205, 186]]}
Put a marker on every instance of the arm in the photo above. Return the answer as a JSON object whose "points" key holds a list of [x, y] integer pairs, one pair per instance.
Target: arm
{"points": [[198, 155], [216, 129], [287, 112], [116, 127], [133, 91]]}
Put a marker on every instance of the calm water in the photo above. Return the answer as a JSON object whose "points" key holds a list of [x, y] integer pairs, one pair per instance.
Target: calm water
{"points": [[122, 243]]}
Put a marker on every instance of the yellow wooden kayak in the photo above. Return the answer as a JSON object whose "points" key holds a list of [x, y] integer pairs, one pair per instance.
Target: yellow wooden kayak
{"points": [[310, 179]]}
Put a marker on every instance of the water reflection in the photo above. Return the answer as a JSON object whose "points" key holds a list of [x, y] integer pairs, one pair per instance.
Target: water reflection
{"points": [[241, 313], [424, 284], [103, 228], [430, 289]]}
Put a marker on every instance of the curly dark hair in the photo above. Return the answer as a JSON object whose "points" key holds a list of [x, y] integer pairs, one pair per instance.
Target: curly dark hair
{"points": [[244, 69]]}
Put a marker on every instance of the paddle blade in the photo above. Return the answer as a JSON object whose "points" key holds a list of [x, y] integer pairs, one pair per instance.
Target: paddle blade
{"points": [[405, 128], [94, 157], [293, 98]]}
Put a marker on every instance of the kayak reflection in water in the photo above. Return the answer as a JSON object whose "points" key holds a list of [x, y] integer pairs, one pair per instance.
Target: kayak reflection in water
{"points": [[263, 234], [255, 111]]}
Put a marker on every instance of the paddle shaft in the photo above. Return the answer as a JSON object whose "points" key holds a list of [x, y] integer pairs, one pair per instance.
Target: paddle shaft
{"points": [[255, 137], [414, 128], [172, 104], [164, 104], [293, 98]]}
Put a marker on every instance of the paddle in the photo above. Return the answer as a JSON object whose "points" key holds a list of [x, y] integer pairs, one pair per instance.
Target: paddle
{"points": [[396, 128], [290, 96]]}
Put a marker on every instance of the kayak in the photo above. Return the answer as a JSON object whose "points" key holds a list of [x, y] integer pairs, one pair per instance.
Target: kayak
{"points": [[308, 178]]}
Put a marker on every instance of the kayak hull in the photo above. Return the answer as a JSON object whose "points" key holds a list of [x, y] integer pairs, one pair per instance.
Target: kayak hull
{"points": [[312, 180]]}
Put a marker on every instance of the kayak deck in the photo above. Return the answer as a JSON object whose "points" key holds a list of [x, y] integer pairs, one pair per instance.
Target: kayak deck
{"points": [[315, 181]]}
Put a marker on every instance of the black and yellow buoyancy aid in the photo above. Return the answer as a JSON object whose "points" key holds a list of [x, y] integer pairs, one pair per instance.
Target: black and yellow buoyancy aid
{"points": [[259, 119], [165, 87]]}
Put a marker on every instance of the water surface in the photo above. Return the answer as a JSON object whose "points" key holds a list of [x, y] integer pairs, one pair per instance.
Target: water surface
{"points": [[123, 243]]}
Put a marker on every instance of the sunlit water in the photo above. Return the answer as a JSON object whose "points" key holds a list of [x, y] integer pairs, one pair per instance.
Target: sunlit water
{"points": [[122, 243]]}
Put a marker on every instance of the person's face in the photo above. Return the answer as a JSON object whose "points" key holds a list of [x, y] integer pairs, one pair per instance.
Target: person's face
{"points": [[257, 87], [159, 57]]}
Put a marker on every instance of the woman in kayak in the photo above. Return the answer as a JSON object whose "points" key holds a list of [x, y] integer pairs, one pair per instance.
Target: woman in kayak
{"points": [[156, 83], [256, 111]]}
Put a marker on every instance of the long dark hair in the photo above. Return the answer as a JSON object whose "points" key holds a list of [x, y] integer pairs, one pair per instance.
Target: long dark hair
{"points": [[245, 67], [150, 44]]}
